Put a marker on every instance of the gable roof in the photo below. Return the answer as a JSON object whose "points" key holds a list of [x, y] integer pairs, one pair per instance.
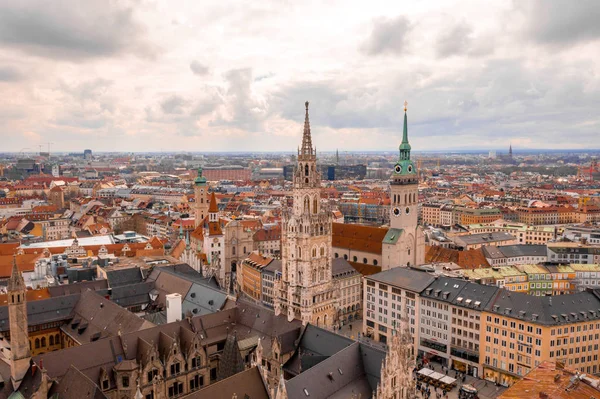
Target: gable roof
{"points": [[358, 237]]}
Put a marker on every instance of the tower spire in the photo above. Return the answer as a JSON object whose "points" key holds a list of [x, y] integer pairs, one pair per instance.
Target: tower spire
{"points": [[16, 282], [405, 146], [307, 148]]}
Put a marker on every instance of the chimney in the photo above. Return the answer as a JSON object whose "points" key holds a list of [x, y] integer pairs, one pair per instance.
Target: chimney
{"points": [[173, 307]]}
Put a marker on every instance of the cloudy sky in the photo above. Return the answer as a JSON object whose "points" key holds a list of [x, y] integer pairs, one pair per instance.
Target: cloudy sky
{"points": [[151, 75]]}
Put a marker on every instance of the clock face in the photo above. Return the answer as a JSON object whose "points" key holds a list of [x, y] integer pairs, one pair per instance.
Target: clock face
{"points": [[398, 169], [396, 211], [407, 210], [410, 168]]}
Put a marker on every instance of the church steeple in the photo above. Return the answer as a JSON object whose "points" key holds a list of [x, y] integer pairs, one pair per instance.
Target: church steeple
{"points": [[405, 146], [18, 327], [16, 282], [307, 148]]}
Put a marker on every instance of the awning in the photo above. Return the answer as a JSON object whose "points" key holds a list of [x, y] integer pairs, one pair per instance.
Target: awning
{"points": [[436, 376], [448, 380], [426, 372]]}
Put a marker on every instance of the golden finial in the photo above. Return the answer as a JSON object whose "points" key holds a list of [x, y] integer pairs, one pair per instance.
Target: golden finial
{"points": [[405, 105]]}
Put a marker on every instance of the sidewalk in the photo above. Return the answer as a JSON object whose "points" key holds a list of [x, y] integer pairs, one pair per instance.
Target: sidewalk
{"points": [[486, 389]]}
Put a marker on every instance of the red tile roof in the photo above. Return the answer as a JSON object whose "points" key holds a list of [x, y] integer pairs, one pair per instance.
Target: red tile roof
{"points": [[358, 237]]}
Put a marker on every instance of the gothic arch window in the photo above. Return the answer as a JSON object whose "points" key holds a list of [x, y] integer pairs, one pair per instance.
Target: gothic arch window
{"points": [[315, 205], [314, 252], [321, 230], [322, 251], [43, 342], [306, 204], [306, 170], [37, 343], [51, 340]]}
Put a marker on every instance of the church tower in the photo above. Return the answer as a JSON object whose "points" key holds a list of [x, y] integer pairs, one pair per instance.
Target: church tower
{"points": [[201, 197], [306, 289], [396, 381], [404, 244], [19, 334]]}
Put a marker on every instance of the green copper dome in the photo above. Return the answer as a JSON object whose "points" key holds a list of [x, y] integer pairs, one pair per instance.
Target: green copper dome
{"points": [[200, 180]]}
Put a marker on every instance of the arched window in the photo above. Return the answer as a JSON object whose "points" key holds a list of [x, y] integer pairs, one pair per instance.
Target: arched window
{"points": [[43, 342], [56, 339], [315, 205], [374, 262], [233, 250], [51, 340], [355, 259], [299, 252], [314, 252], [364, 260], [37, 343], [336, 255], [305, 170], [345, 257], [323, 251]]}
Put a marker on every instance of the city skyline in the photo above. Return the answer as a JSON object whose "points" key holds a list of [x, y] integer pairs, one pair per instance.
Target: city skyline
{"points": [[154, 77]]}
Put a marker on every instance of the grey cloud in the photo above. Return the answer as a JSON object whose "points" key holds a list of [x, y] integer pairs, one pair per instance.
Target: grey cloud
{"points": [[198, 69], [388, 36], [174, 104], [245, 112], [9, 74], [89, 90], [454, 40], [63, 30], [560, 22]]}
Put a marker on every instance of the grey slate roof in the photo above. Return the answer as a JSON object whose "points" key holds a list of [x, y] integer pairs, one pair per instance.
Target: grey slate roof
{"points": [[76, 385], [129, 295], [201, 299], [513, 251], [44, 311], [247, 384], [96, 317], [273, 266], [547, 310], [341, 268], [120, 277], [354, 369], [316, 345], [483, 238], [409, 279], [77, 288]]}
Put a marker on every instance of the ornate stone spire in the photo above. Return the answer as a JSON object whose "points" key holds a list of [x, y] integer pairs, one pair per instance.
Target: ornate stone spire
{"points": [[307, 148], [396, 370], [16, 282]]}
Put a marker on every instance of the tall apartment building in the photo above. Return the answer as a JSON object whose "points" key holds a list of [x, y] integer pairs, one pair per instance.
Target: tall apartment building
{"points": [[388, 295], [521, 331], [450, 322]]}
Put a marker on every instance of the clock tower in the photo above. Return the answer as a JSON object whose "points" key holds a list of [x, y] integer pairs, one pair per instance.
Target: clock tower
{"points": [[404, 244], [404, 186]]}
